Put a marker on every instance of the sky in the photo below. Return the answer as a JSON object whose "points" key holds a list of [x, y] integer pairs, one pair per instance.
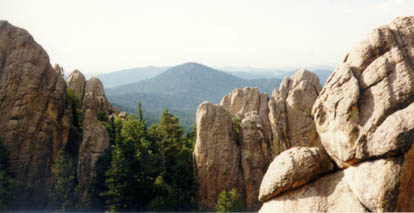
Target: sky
{"points": [[98, 36]]}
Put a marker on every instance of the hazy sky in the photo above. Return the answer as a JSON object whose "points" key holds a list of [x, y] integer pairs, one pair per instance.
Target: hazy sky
{"points": [[97, 36]]}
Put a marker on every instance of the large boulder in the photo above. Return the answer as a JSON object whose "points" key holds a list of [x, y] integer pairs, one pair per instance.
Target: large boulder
{"points": [[384, 185], [361, 112], [216, 154], [293, 168], [290, 112], [330, 193], [32, 109]]}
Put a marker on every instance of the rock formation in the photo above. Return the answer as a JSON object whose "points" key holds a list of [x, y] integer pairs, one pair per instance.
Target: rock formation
{"points": [[363, 117], [248, 131], [37, 119], [95, 138], [95, 98], [216, 154], [290, 112], [91, 93], [361, 112], [32, 109], [293, 168], [76, 81]]}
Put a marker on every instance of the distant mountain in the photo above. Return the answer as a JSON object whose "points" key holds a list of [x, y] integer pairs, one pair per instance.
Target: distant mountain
{"points": [[128, 76], [182, 89]]}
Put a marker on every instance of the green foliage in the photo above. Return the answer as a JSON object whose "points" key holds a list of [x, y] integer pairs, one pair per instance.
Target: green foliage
{"points": [[102, 116], [229, 202], [64, 194], [73, 102], [12, 192], [179, 187], [146, 169], [102, 165], [237, 123], [139, 111], [133, 169]]}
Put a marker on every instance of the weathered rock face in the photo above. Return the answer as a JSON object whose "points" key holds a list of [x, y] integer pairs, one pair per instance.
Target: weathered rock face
{"points": [[32, 106], [364, 118], [249, 110], [290, 112], [95, 99], [216, 154], [385, 184], [293, 168], [76, 81], [361, 112], [247, 100], [95, 139], [94, 142], [328, 194], [255, 156]]}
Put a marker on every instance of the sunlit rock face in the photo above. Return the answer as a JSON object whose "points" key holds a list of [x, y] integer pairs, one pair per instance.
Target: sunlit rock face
{"points": [[361, 112], [363, 117], [290, 112], [240, 131]]}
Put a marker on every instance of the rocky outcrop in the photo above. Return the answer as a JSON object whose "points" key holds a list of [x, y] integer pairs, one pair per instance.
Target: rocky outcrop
{"points": [[32, 109], [95, 139], [293, 168], [91, 93], [363, 118], [254, 137], [255, 153], [76, 81], [94, 142], [361, 112], [290, 112], [216, 154], [331, 193], [95, 98]]}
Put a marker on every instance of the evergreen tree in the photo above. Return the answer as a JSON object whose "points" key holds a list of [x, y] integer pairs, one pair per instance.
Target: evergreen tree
{"points": [[139, 111], [178, 183], [13, 194], [64, 194], [229, 202], [132, 171]]}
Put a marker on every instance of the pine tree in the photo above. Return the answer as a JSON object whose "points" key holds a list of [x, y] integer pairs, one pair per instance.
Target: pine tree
{"points": [[139, 111], [132, 171], [64, 195]]}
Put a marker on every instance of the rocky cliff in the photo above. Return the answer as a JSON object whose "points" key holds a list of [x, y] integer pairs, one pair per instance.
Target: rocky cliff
{"points": [[37, 119], [243, 134], [32, 109], [364, 118]]}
